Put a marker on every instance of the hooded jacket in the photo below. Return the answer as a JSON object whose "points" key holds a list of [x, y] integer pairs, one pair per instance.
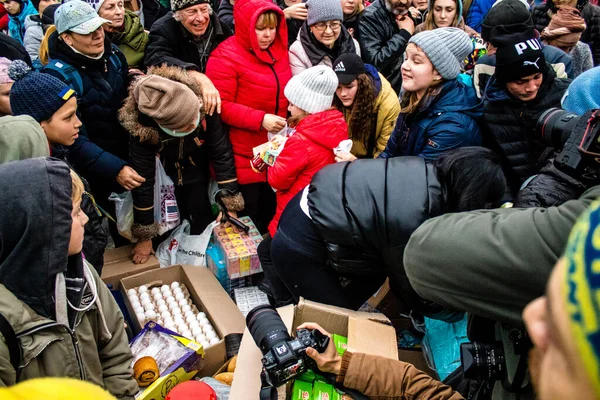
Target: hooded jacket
{"points": [[308, 150], [226, 14], [477, 12], [185, 159], [366, 211], [590, 13], [510, 125], [171, 44], [16, 25], [132, 40], [386, 110], [38, 279], [307, 51], [12, 49], [445, 122], [104, 89], [20, 138], [34, 33], [251, 83], [382, 42]]}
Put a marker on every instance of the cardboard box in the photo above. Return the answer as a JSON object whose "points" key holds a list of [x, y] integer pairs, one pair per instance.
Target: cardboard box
{"points": [[181, 371], [207, 294], [118, 264], [366, 332]]}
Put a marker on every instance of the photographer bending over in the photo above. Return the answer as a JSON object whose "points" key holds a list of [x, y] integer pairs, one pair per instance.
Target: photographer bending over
{"points": [[562, 324]]}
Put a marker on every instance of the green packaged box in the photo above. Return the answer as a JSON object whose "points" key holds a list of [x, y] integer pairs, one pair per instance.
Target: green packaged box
{"points": [[341, 343], [310, 376], [322, 391], [302, 391]]}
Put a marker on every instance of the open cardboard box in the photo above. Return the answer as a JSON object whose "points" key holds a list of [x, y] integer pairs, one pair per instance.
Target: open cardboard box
{"points": [[207, 294], [118, 264], [366, 332]]}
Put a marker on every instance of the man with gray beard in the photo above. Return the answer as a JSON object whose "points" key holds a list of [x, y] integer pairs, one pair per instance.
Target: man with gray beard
{"points": [[385, 28]]}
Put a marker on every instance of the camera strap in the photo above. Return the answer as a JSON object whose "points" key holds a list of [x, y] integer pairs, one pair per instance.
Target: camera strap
{"points": [[267, 390]]}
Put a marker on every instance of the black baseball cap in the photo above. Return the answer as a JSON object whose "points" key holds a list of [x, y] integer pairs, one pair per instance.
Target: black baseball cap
{"points": [[347, 67]]}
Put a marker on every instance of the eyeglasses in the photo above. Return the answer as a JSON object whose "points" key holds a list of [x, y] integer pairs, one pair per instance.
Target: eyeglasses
{"points": [[322, 26]]}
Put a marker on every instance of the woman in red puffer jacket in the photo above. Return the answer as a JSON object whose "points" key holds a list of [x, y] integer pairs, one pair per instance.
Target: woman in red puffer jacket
{"points": [[250, 70], [319, 129]]}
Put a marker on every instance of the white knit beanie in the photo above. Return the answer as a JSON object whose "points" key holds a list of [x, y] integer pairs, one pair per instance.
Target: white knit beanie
{"points": [[312, 90]]}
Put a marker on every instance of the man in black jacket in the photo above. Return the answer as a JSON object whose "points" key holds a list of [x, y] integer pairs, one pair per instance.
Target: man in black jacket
{"points": [[185, 38], [385, 29]]}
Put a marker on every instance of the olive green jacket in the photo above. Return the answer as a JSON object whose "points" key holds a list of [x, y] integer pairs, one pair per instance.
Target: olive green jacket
{"points": [[96, 350], [132, 41]]}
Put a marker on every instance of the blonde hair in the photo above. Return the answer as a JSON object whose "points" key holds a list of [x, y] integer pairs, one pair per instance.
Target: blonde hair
{"points": [[44, 55], [268, 19], [410, 103], [430, 23], [78, 188]]}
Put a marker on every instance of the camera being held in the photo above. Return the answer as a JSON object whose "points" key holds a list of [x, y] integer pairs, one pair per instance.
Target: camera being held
{"points": [[283, 356], [577, 137]]}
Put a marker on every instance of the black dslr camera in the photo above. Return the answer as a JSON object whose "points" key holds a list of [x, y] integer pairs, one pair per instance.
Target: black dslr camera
{"points": [[577, 136], [283, 357]]}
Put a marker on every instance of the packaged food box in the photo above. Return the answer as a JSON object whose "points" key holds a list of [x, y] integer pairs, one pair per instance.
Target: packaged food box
{"points": [[322, 391], [249, 298], [302, 391], [341, 343], [216, 263], [239, 249]]}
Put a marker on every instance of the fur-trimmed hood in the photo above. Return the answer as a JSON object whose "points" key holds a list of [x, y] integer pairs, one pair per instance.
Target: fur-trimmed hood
{"points": [[144, 127]]}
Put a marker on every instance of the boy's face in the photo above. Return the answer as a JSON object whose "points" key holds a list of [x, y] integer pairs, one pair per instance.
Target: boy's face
{"points": [[77, 230], [4, 99], [63, 127]]}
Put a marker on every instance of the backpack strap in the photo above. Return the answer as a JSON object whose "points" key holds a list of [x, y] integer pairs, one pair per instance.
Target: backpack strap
{"points": [[69, 73], [10, 338], [114, 58]]}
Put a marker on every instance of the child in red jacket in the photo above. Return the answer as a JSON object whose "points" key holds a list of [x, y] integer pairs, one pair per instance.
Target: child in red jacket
{"points": [[319, 129]]}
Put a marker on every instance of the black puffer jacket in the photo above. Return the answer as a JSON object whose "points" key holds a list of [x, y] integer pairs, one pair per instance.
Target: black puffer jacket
{"points": [[186, 160], [171, 44], [589, 12], [510, 125], [382, 43], [226, 14], [366, 211], [104, 89]]}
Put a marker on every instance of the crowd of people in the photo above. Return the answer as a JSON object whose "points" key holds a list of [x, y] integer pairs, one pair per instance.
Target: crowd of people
{"points": [[415, 145]]}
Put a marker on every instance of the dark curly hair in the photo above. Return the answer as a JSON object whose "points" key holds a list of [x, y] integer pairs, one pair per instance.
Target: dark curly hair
{"points": [[361, 111]]}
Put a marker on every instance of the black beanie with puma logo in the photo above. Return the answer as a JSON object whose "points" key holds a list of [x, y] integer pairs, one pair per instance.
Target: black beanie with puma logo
{"points": [[519, 59]]}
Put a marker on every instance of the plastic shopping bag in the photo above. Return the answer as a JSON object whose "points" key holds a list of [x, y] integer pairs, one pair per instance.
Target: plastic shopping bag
{"points": [[166, 212], [183, 248], [124, 213]]}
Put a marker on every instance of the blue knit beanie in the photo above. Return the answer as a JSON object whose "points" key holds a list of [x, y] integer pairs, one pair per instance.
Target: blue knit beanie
{"points": [[583, 93], [36, 94]]}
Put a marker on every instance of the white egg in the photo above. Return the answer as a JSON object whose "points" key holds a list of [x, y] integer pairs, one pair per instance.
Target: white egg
{"points": [[157, 296], [170, 326], [205, 344], [190, 320], [155, 290], [150, 306], [140, 317], [169, 321], [203, 322], [182, 327], [176, 311], [162, 309], [173, 306], [138, 310], [214, 341], [170, 299], [196, 330], [207, 328], [179, 296], [144, 295], [134, 298], [146, 301], [160, 322], [200, 338], [165, 314], [161, 302], [150, 314], [174, 285], [188, 313], [187, 333], [210, 335], [135, 304], [178, 320], [200, 316], [177, 290], [143, 289], [186, 308], [132, 292], [182, 302], [165, 288]]}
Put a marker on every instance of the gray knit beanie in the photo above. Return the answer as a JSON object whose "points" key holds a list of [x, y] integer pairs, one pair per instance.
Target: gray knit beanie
{"points": [[312, 90], [324, 10], [446, 48]]}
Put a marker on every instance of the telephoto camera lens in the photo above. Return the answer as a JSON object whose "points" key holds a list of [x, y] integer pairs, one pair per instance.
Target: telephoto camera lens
{"points": [[266, 327], [554, 126]]}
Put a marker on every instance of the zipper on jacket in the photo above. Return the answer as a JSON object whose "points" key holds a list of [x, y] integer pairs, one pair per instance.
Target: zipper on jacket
{"points": [[74, 341], [272, 67]]}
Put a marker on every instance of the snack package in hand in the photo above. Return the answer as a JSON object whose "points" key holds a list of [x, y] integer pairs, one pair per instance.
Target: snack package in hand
{"points": [[344, 147]]}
